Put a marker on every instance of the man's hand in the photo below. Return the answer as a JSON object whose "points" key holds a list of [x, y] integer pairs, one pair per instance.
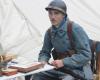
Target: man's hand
{"points": [[57, 63]]}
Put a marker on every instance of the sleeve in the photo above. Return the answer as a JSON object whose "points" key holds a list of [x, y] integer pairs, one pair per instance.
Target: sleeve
{"points": [[82, 47], [44, 54]]}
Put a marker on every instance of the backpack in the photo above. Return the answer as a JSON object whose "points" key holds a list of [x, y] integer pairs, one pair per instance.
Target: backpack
{"points": [[95, 65]]}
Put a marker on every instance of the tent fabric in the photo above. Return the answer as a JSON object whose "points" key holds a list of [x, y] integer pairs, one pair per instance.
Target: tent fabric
{"points": [[23, 23], [17, 34], [84, 12]]}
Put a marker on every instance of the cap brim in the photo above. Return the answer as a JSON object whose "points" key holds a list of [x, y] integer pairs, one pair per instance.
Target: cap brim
{"points": [[55, 8]]}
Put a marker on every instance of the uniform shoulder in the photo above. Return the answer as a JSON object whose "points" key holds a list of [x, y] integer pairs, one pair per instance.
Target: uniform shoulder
{"points": [[76, 26], [48, 31]]}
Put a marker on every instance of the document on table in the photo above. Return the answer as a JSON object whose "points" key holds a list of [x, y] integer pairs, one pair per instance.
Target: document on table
{"points": [[22, 62], [26, 65], [45, 68]]}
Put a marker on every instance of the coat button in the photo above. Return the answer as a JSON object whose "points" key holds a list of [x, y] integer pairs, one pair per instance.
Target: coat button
{"points": [[61, 31]]}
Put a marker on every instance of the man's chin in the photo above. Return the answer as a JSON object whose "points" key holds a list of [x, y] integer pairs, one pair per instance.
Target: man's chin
{"points": [[54, 24]]}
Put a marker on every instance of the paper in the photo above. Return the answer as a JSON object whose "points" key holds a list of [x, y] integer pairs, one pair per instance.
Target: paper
{"points": [[45, 68], [48, 67], [22, 62], [25, 65]]}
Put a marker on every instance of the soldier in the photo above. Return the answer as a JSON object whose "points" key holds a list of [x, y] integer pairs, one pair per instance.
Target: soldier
{"points": [[56, 38]]}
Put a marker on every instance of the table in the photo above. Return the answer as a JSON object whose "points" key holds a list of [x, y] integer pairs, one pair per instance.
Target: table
{"points": [[45, 68]]}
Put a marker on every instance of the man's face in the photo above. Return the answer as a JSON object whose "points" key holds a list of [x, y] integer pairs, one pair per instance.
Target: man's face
{"points": [[55, 17]]}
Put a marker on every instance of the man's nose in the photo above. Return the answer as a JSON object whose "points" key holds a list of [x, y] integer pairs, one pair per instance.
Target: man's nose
{"points": [[53, 16]]}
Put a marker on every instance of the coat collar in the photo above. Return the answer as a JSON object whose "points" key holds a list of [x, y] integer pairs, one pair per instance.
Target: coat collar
{"points": [[61, 30]]}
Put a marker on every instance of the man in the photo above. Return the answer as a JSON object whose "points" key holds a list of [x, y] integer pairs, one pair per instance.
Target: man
{"points": [[56, 38]]}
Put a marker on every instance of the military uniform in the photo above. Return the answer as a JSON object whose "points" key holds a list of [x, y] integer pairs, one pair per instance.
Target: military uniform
{"points": [[59, 40]]}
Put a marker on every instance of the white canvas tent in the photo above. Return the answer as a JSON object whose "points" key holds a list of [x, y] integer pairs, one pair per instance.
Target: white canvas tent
{"points": [[84, 12], [17, 34], [24, 22]]}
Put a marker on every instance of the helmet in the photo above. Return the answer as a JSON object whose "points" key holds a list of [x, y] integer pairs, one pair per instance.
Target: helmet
{"points": [[57, 5]]}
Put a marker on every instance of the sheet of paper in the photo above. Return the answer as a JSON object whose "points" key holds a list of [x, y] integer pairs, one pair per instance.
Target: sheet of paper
{"points": [[22, 62], [25, 65], [45, 68]]}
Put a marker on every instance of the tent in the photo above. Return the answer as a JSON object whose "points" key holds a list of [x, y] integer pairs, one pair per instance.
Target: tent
{"points": [[23, 23], [84, 12], [29, 18], [17, 34]]}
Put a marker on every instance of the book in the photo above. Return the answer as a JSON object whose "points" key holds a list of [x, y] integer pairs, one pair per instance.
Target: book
{"points": [[28, 67]]}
